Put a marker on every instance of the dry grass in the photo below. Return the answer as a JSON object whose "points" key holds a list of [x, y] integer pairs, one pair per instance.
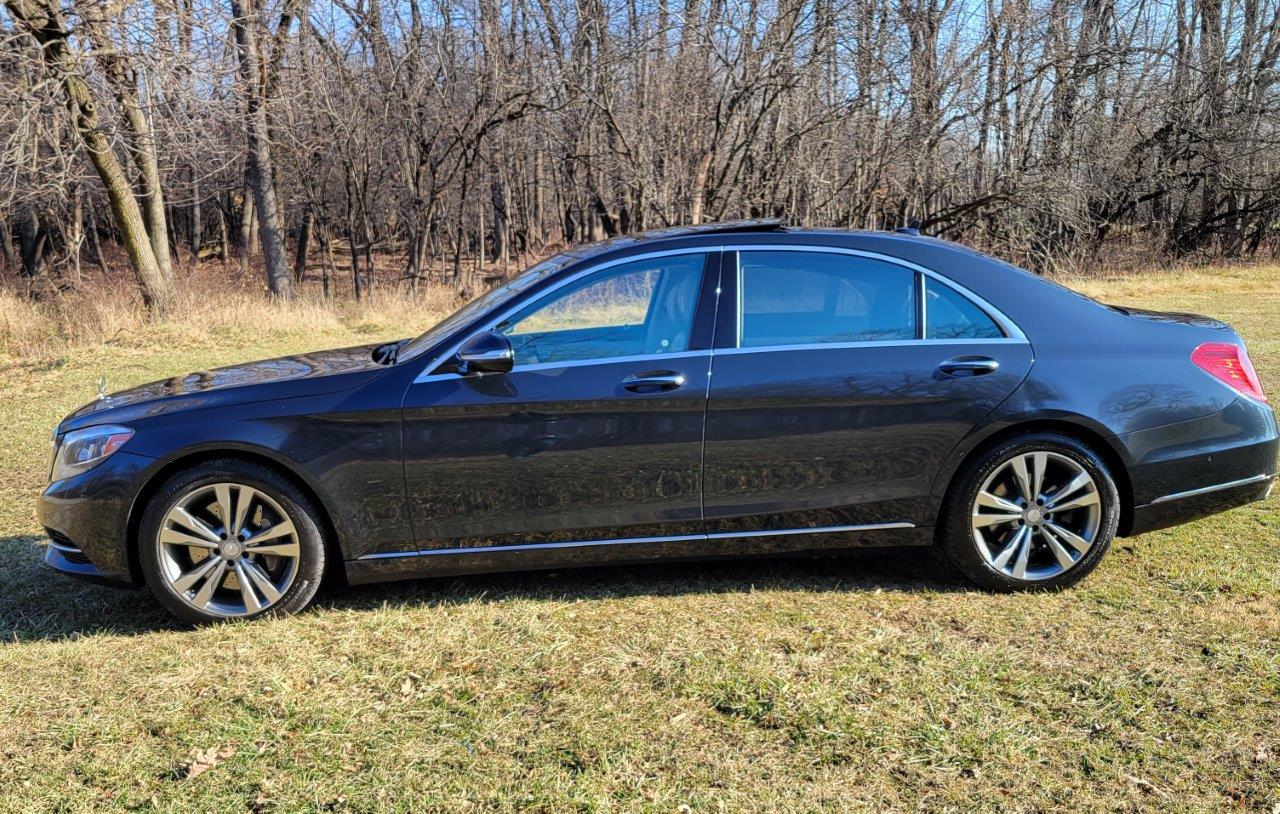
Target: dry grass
{"points": [[866, 684], [205, 311]]}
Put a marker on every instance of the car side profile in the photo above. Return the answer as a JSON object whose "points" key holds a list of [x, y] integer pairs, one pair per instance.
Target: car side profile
{"points": [[700, 392]]}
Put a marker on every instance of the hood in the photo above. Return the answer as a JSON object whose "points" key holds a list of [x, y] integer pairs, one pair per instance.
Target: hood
{"points": [[305, 374], [1194, 320]]}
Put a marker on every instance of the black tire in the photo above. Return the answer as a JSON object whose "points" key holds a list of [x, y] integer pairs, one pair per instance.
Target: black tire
{"points": [[957, 534], [300, 509]]}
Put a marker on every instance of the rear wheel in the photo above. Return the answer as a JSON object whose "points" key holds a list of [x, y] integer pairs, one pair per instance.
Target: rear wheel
{"points": [[1037, 511], [230, 539]]}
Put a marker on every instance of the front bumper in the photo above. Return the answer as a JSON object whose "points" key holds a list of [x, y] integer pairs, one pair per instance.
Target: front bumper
{"points": [[1185, 471], [87, 520]]}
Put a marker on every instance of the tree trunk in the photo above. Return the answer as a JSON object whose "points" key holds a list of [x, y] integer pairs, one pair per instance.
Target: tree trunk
{"points": [[142, 146], [248, 229], [75, 236], [43, 21], [6, 242], [94, 242], [304, 242], [259, 171], [31, 238], [196, 232]]}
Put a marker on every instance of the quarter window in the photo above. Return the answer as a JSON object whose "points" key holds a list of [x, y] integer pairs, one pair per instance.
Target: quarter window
{"points": [[801, 298], [641, 308], [950, 315]]}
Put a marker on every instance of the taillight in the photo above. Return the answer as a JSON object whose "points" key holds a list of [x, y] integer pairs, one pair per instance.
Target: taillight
{"points": [[1229, 363]]}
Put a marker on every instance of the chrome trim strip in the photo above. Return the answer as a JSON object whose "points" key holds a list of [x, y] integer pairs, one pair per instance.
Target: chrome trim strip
{"points": [[723, 535], [877, 343], [738, 307], [65, 549], [1204, 490], [676, 538]]}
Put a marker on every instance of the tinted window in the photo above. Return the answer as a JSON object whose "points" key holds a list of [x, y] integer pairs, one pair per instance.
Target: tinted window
{"points": [[639, 308], [799, 298], [950, 315]]}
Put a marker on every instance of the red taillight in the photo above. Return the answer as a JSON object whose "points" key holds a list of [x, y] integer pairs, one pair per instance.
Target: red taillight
{"points": [[1229, 363]]}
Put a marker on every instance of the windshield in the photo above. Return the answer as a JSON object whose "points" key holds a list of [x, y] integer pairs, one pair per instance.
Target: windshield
{"points": [[485, 302]]}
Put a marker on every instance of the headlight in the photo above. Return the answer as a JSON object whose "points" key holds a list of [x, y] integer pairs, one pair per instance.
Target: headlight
{"points": [[82, 450]]}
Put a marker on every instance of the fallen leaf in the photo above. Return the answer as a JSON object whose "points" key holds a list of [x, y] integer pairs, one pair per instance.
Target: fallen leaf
{"points": [[202, 760]]}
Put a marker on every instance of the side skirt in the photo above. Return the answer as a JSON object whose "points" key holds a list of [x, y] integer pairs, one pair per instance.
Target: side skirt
{"points": [[538, 556]]}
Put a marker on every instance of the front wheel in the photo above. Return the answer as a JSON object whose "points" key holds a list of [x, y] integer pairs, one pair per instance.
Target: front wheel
{"points": [[1037, 511], [230, 539]]}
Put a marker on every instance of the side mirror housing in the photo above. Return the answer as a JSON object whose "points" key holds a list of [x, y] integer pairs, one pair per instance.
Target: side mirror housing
{"points": [[487, 352]]}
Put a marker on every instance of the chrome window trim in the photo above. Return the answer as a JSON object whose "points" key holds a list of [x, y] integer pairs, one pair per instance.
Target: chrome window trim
{"points": [[922, 291], [1217, 487], [643, 357], [674, 538], [489, 324], [874, 343], [1007, 325], [1013, 334]]}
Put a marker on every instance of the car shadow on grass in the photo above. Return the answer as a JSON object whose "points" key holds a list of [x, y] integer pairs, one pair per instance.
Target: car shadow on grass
{"points": [[38, 604]]}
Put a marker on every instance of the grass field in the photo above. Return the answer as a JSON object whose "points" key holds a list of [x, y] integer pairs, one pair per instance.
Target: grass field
{"points": [[872, 683]]}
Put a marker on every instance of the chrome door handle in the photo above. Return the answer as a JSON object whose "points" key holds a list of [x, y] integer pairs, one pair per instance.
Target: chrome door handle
{"points": [[969, 366], [653, 381]]}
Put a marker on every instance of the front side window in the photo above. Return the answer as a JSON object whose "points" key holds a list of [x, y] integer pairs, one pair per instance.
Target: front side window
{"points": [[950, 315], [640, 308], [803, 298]]}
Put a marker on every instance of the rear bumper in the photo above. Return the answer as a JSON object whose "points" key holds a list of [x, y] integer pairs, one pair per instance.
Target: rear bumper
{"points": [[86, 518], [1185, 471], [1183, 508]]}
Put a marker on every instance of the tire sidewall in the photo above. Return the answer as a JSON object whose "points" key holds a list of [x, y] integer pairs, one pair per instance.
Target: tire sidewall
{"points": [[958, 533], [300, 510]]}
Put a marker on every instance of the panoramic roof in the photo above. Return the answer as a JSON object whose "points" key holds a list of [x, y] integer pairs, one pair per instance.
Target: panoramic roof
{"points": [[758, 225]]}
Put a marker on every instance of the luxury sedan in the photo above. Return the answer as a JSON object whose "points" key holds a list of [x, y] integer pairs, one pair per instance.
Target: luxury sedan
{"points": [[703, 392]]}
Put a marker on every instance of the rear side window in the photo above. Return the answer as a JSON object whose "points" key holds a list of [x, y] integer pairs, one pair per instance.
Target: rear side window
{"points": [[802, 298], [950, 315]]}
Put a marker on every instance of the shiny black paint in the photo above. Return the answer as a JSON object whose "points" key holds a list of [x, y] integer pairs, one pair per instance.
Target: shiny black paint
{"points": [[792, 439], [840, 436], [555, 454]]}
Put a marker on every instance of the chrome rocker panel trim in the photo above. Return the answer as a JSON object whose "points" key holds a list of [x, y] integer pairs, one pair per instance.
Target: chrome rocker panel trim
{"points": [[678, 538]]}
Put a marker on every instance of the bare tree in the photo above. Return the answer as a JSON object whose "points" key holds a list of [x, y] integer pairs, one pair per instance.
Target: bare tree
{"points": [[43, 21], [246, 21]]}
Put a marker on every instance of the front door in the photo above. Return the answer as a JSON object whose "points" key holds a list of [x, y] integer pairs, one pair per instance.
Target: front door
{"points": [[595, 434], [840, 390]]}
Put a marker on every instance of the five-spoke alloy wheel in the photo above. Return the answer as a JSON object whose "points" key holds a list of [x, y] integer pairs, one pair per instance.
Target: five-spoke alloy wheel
{"points": [[1036, 511], [231, 539]]}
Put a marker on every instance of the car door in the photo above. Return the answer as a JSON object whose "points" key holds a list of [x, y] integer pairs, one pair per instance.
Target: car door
{"points": [[837, 391], [596, 432]]}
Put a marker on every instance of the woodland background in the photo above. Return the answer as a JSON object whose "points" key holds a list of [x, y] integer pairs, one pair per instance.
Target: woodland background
{"points": [[357, 146]]}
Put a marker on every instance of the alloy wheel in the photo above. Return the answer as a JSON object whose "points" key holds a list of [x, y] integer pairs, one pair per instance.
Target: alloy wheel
{"points": [[1036, 515], [228, 549]]}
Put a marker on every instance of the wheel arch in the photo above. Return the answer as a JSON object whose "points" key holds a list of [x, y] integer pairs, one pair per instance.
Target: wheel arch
{"points": [[1077, 428], [196, 456]]}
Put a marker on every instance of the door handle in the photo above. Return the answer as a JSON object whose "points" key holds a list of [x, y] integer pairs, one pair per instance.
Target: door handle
{"points": [[653, 381], [969, 366]]}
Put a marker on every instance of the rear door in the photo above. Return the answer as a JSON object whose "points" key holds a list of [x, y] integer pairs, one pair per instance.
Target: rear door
{"points": [[839, 386]]}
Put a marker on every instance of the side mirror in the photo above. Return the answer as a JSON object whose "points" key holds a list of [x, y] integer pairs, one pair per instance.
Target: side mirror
{"points": [[487, 352]]}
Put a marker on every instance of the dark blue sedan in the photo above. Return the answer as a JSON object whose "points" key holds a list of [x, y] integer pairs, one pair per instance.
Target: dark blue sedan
{"points": [[725, 390]]}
